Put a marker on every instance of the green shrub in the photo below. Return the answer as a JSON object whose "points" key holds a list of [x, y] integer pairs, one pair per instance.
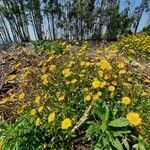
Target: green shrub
{"points": [[42, 45]]}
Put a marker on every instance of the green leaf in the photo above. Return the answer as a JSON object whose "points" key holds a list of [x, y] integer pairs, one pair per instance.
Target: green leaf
{"points": [[118, 144], [119, 122], [104, 126], [92, 130], [126, 144], [106, 117], [105, 142], [120, 133], [141, 146]]}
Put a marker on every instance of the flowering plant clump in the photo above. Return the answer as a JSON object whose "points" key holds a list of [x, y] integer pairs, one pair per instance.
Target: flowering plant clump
{"points": [[55, 90], [135, 46]]}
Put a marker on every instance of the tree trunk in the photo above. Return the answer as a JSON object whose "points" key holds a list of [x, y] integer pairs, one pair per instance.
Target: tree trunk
{"points": [[53, 27]]}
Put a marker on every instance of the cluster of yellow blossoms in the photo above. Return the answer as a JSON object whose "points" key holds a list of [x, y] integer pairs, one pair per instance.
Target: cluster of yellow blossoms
{"points": [[60, 87]]}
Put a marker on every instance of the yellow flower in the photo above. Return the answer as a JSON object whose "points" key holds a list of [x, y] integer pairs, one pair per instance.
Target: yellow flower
{"points": [[33, 112], [66, 123], [81, 75], [20, 110], [95, 98], [122, 72], [99, 93], [114, 82], [4, 100], [144, 94], [85, 90], [111, 88], [102, 84], [129, 79], [66, 72], [52, 68], [74, 81], [45, 82], [49, 59], [88, 98], [45, 96], [61, 98], [126, 100], [21, 96], [40, 109], [96, 83], [134, 118], [106, 77], [87, 64], [51, 117], [45, 76], [44, 69], [100, 73], [37, 122], [37, 100], [121, 65], [11, 77], [105, 65]]}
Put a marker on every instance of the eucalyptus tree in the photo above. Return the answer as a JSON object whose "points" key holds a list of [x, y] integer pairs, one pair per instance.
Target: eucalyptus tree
{"points": [[35, 12], [139, 11], [52, 10]]}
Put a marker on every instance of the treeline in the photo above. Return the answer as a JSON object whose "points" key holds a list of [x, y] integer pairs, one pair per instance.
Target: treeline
{"points": [[23, 20]]}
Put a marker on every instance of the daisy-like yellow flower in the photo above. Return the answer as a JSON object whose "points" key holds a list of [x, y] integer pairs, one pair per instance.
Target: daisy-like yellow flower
{"points": [[44, 69], [95, 98], [21, 96], [38, 122], [114, 82], [129, 79], [87, 64], [37, 100], [33, 112], [11, 77], [121, 65], [88, 98], [85, 90], [102, 84], [20, 110], [4, 100], [134, 118], [106, 77], [144, 94], [73, 81], [96, 83], [111, 88], [52, 68], [61, 98], [51, 117], [122, 72], [66, 123], [45, 82], [105, 65], [100, 73], [99, 93], [45, 76], [126, 100], [49, 59], [67, 72], [40, 109]]}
